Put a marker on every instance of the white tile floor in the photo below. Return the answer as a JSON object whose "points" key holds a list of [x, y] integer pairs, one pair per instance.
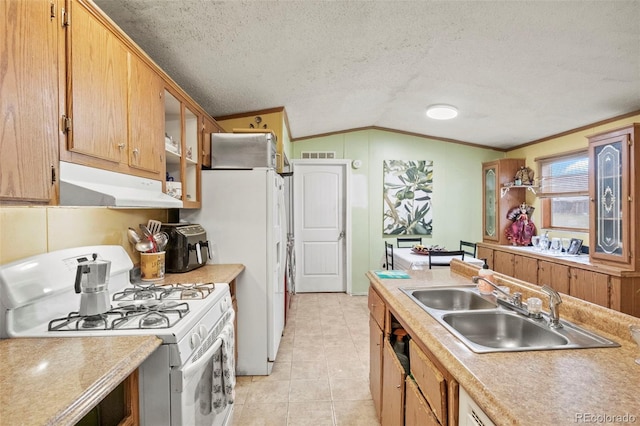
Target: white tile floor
{"points": [[321, 373]]}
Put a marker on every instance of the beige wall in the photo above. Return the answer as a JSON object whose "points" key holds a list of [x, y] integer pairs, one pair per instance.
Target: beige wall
{"points": [[26, 231], [570, 142]]}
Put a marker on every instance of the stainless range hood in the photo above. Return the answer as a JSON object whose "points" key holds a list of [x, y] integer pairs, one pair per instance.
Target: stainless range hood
{"points": [[88, 186]]}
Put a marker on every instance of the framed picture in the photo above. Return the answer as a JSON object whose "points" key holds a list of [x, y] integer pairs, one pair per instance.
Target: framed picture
{"points": [[407, 189], [574, 246]]}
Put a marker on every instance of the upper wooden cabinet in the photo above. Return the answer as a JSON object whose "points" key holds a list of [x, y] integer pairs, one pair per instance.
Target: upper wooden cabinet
{"points": [[114, 100], [29, 100], [78, 89], [183, 127], [614, 183], [146, 117], [494, 206]]}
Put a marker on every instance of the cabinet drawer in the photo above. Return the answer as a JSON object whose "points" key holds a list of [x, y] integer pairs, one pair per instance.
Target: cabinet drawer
{"points": [[376, 307], [418, 412], [430, 381]]}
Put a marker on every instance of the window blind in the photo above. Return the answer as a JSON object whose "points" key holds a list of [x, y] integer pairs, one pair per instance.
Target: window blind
{"points": [[564, 175]]}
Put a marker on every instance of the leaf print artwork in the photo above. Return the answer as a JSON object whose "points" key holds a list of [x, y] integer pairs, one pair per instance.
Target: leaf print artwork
{"points": [[407, 189]]}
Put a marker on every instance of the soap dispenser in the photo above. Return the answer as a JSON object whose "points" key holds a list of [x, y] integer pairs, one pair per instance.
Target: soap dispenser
{"points": [[487, 274]]}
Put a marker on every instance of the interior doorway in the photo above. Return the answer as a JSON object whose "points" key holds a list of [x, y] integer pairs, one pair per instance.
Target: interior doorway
{"points": [[322, 225]]}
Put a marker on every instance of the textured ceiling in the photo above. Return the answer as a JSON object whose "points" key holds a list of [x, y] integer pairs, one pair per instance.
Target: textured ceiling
{"points": [[517, 71]]}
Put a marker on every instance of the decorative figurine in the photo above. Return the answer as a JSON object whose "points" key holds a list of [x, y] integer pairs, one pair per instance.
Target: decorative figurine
{"points": [[525, 176], [519, 233]]}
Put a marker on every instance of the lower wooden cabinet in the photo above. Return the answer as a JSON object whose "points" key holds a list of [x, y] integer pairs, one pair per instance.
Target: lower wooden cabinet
{"points": [[427, 397], [430, 381], [525, 268], [377, 308], [120, 407], [393, 378], [555, 275], [503, 263], [590, 286], [375, 364], [417, 411], [487, 254]]}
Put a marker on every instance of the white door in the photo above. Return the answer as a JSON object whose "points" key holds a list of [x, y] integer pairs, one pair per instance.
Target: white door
{"points": [[320, 195]]}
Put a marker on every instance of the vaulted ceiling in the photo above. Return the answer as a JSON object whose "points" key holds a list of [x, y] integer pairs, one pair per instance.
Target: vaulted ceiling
{"points": [[516, 70]]}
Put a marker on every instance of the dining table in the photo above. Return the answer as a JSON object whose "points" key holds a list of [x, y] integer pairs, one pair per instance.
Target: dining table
{"points": [[406, 258]]}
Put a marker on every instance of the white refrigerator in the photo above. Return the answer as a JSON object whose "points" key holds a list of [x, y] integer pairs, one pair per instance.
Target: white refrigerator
{"points": [[244, 215]]}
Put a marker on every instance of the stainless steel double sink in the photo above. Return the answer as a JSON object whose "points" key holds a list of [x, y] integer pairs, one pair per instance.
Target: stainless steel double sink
{"points": [[484, 326]]}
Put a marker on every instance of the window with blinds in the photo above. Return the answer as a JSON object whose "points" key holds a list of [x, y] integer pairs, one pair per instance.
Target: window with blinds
{"points": [[564, 175], [564, 189]]}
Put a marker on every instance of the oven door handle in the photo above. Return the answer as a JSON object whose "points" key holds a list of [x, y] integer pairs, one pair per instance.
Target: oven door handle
{"points": [[190, 370]]}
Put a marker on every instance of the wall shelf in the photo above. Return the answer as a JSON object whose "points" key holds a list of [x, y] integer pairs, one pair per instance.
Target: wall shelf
{"points": [[505, 189]]}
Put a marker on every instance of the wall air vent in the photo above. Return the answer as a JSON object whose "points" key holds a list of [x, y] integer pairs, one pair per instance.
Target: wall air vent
{"points": [[318, 154]]}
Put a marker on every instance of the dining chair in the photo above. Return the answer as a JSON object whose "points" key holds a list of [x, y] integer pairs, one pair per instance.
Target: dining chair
{"points": [[388, 256], [468, 248], [408, 242], [443, 253]]}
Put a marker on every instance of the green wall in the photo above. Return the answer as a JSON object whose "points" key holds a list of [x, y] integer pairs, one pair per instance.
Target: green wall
{"points": [[457, 189]]}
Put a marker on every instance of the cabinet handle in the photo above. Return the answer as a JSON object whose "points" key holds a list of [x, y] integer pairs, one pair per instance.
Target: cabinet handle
{"points": [[398, 386], [121, 145], [136, 151]]}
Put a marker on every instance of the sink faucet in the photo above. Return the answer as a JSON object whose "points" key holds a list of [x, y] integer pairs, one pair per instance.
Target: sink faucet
{"points": [[554, 306], [513, 302]]}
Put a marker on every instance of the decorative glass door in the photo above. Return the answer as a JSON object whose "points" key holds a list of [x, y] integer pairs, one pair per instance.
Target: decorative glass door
{"points": [[490, 199], [610, 198]]}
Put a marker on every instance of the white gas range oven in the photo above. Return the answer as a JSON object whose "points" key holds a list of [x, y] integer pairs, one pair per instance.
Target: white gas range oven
{"points": [[188, 380]]}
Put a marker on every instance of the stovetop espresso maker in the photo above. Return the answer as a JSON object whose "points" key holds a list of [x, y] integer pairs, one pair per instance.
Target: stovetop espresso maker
{"points": [[92, 279]]}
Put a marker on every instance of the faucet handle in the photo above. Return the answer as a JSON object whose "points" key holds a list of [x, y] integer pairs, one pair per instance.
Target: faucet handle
{"points": [[517, 299]]}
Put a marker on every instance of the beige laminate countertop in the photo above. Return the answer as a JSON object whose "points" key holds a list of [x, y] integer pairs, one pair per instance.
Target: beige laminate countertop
{"points": [[537, 387], [56, 381], [219, 273]]}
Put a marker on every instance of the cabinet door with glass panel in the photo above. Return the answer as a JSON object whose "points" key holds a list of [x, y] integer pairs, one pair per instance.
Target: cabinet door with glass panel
{"points": [[496, 203], [490, 186], [182, 142], [613, 211]]}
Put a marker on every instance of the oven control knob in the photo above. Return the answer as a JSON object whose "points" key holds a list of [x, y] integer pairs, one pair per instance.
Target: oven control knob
{"points": [[224, 305], [202, 331], [195, 340]]}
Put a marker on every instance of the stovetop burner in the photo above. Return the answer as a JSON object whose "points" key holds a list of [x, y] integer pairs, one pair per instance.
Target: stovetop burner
{"points": [[76, 322], [177, 291], [128, 316]]}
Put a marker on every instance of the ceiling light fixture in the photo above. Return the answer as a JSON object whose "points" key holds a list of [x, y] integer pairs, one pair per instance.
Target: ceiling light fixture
{"points": [[442, 112]]}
